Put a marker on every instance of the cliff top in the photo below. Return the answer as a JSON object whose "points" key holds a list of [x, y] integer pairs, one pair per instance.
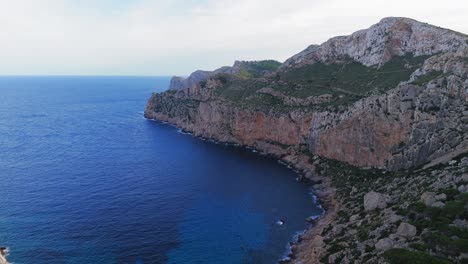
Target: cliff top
{"points": [[374, 46]]}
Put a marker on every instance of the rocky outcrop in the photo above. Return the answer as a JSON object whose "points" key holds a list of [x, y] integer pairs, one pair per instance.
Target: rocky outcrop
{"points": [[243, 68], [392, 36], [193, 81], [3, 253]]}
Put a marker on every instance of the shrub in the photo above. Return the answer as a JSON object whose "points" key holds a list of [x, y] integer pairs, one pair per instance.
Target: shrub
{"points": [[453, 209], [401, 256], [427, 77]]}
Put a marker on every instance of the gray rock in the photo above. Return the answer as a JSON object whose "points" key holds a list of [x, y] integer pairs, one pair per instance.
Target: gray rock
{"points": [[354, 218], [384, 244], [461, 223], [406, 230], [463, 188], [438, 204], [374, 200], [441, 197], [393, 218], [428, 198], [465, 177]]}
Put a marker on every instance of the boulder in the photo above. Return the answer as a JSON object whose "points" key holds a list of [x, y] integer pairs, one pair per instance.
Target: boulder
{"points": [[465, 177], [462, 188], [374, 200], [428, 198], [384, 244], [441, 197], [406, 230]]}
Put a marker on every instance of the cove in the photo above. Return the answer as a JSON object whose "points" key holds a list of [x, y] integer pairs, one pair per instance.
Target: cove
{"points": [[86, 179]]}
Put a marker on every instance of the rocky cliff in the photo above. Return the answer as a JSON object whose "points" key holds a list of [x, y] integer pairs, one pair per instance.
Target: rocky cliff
{"points": [[377, 121], [392, 36], [418, 121], [392, 96]]}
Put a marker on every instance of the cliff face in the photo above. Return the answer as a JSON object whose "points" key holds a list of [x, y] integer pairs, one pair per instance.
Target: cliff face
{"points": [[392, 36], [221, 121], [407, 126], [392, 96]]}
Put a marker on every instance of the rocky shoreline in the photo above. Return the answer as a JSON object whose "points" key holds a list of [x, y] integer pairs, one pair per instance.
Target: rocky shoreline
{"points": [[3, 254], [309, 240]]}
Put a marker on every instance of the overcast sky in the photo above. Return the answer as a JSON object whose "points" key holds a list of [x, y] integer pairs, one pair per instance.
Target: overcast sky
{"points": [[167, 37]]}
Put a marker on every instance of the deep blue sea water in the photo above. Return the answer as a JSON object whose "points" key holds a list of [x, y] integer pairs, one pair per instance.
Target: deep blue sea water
{"points": [[84, 178]]}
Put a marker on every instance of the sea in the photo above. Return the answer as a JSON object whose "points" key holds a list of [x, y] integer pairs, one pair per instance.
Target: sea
{"points": [[85, 178]]}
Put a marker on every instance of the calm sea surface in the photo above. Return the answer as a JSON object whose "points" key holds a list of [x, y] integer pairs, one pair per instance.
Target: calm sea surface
{"points": [[84, 178]]}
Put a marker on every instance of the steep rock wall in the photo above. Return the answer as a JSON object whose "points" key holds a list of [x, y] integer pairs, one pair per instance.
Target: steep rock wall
{"points": [[405, 127], [271, 132]]}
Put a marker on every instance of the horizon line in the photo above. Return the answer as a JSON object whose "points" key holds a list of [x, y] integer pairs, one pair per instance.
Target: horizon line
{"points": [[79, 75]]}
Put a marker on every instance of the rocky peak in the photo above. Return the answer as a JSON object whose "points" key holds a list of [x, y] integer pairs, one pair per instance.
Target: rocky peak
{"points": [[193, 81], [243, 69], [392, 36]]}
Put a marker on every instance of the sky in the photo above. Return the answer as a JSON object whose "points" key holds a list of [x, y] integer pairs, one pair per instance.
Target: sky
{"points": [[175, 37]]}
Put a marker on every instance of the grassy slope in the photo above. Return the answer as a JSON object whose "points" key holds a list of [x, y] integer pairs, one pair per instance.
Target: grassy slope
{"points": [[347, 82]]}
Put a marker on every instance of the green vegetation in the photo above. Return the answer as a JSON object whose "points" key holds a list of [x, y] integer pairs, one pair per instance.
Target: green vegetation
{"points": [[425, 78], [443, 236], [350, 79], [255, 69], [346, 82], [402, 256], [437, 235], [265, 65]]}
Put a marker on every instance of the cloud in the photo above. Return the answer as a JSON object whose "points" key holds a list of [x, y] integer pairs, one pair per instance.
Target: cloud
{"points": [[143, 37]]}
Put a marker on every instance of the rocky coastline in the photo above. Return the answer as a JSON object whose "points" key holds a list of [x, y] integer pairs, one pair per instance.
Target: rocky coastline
{"points": [[303, 165], [3, 253], [375, 121]]}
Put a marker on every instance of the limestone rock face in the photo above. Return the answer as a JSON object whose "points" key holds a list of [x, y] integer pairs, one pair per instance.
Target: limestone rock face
{"points": [[269, 132], [406, 230], [374, 200], [407, 126], [392, 36]]}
